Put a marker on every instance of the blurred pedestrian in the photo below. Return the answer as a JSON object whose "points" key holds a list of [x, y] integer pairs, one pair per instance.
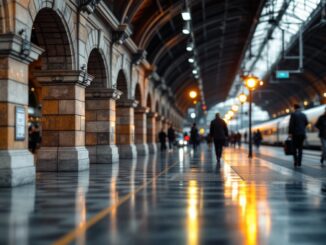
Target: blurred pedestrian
{"points": [[219, 133], [258, 138], [297, 131], [321, 125], [162, 139], [171, 137], [238, 137], [35, 138], [194, 136]]}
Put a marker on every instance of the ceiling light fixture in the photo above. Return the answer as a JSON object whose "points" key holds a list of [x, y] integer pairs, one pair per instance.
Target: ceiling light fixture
{"points": [[190, 46], [186, 16], [186, 28]]}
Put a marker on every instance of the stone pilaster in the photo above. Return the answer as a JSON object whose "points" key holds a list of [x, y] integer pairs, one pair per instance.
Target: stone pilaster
{"points": [[125, 129], [63, 123], [16, 162], [100, 125], [141, 131], [151, 132]]}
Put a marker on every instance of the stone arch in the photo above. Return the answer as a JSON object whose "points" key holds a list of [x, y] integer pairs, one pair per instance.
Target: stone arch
{"points": [[96, 67], [60, 13], [62, 102], [138, 94], [49, 32], [99, 134], [95, 40], [122, 84]]}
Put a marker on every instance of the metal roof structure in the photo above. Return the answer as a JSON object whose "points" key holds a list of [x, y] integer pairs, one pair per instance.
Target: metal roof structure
{"points": [[221, 31]]}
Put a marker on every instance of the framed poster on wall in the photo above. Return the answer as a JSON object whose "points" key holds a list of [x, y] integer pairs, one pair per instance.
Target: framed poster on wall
{"points": [[20, 123]]}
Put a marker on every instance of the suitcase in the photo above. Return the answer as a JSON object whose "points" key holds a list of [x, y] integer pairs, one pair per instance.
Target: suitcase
{"points": [[288, 147]]}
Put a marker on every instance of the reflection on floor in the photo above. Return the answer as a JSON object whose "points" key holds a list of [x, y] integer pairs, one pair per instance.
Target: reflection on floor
{"points": [[178, 197]]}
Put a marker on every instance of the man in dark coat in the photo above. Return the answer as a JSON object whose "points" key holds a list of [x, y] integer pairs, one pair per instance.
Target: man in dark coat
{"points": [[321, 125], [297, 130], [219, 133], [194, 136], [162, 139], [171, 137]]}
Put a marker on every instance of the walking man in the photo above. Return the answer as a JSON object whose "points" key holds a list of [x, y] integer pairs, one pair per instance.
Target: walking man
{"points": [[219, 133], [321, 125], [171, 137], [162, 139], [194, 136], [297, 130]]}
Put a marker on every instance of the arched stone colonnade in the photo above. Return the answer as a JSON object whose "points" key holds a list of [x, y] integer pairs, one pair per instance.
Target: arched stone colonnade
{"points": [[97, 104]]}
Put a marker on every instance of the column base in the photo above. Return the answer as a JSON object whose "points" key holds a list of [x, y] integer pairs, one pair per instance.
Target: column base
{"points": [[65, 159], [142, 149], [103, 154], [127, 151], [17, 168], [152, 148]]}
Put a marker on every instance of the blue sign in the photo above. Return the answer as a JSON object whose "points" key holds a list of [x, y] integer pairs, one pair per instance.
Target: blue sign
{"points": [[282, 74]]}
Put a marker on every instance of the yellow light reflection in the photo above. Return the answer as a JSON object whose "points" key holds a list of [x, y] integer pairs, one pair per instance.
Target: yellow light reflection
{"points": [[80, 218], [254, 211], [192, 214], [114, 196]]}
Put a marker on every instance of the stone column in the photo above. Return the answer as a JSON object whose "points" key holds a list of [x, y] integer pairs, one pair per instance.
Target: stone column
{"points": [[63, 123], [100, 125], [141, 131], [125, 129], [16, 162], [151, 132]]}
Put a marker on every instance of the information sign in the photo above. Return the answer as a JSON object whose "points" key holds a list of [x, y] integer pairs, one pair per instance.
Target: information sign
{"points": [[20, 123]]}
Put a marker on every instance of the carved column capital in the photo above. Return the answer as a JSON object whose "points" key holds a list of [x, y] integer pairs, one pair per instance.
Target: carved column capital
{"points": [[127, 103], [141, 110], [103, 93], [52, 77], [151, 114]]}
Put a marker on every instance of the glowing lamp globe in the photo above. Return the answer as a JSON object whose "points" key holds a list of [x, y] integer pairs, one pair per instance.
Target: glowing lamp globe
{"points": [[235, 108], [242, 98], [193, 94]]}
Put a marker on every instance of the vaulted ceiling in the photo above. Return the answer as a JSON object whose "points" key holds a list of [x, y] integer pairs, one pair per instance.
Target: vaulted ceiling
{"points": [[222, 29]]}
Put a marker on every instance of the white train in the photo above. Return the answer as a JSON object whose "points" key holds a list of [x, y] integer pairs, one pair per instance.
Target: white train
{"points": [[275, 131]]}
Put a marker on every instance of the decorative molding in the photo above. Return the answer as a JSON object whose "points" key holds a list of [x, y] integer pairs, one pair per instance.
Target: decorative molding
{"points": [[139, 56], [120, 35], [88, 6], [12, 45]]}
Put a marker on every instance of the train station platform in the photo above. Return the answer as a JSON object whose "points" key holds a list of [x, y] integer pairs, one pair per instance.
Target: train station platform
{"points": [[178, 197]]}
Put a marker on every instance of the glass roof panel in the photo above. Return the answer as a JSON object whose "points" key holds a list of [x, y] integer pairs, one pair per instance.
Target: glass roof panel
{"points": [[264, 51]]}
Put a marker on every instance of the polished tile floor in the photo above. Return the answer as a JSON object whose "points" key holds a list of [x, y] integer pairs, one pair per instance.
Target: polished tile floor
{"points": [[178, 197]]}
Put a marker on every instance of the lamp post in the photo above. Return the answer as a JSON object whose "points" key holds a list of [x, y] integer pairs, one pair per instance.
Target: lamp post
{"points": [[251, 82], [242, 98]]}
